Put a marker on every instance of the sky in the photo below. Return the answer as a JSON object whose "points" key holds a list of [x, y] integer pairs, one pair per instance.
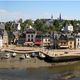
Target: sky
{"points": [[14, 10]]}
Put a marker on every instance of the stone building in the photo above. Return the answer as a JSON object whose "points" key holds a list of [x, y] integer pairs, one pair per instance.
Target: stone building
{"points": [[30, 36], [3, 36]]}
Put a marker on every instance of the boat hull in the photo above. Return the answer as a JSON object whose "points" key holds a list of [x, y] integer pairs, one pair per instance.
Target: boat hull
{"points": [[62, 58]]}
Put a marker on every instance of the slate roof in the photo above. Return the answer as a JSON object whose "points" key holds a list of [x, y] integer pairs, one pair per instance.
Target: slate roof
{"points": [[30, 31]]}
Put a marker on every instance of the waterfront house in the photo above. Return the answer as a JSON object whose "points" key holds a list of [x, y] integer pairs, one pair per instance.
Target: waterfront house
{"points": [[77, 41], [1, 42], [39, 39], [71, 42], [46, 40], [63, 42], [30, 36], [66, 41], [3, 36], [5, 39], [42, 39]]}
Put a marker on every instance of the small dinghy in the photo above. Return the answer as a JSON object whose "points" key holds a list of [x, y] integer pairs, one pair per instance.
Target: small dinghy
{"points": [[41, 55], [14, 54], [27, 56], [34, 54], [7, 55], [22, 57]]}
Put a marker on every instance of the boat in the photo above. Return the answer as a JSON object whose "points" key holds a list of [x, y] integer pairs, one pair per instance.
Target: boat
{"points": [[27, 56], [41, 55], [22, 57], [14, 54], [34, 54], [7, 55]]}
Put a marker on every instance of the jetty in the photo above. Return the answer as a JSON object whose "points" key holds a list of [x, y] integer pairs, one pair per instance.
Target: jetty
{"points": [[48, 52]]}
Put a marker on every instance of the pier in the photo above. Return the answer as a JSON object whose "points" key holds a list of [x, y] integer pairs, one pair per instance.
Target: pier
{"points": [[48, 52]]}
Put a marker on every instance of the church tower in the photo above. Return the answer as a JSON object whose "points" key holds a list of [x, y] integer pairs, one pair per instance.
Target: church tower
{"points": [[51, 17], [60, 17]]}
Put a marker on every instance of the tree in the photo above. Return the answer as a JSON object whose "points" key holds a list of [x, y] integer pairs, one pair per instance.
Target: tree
{"points": [[38, 24], [28, 21], [56, 24]]}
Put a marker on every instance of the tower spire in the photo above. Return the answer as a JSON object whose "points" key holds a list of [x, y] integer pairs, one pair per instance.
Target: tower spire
{"points": [[52, 17], [60, 16]]}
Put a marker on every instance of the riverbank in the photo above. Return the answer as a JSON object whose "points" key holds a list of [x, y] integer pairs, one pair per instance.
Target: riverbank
{"points": [[26, 63], [30, 63]]}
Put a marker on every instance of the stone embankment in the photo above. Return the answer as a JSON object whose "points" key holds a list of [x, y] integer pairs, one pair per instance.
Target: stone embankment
{"points": [[51, 53]]}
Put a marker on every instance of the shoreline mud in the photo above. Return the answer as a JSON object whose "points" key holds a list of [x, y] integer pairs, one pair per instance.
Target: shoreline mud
{"points": [[30, 63]]}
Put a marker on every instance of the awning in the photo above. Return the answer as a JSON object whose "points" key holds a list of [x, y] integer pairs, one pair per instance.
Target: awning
{"points": [[38, 42]]}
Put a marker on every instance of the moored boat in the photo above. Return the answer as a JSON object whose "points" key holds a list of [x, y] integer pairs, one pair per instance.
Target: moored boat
{"points": [[14, 54], [41, 55]]}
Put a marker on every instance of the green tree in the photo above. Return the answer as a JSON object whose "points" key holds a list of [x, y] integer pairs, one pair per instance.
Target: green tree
{"points": [[28, 21], [38, 25]]}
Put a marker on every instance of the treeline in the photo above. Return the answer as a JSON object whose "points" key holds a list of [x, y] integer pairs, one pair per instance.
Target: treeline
{"points": [[44, 25]]}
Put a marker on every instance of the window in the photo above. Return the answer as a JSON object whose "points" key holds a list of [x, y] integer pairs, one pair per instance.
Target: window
{"points": [[65, 52], [31, 35], [70, 46], [70, 42], [28, 35], [48, 39], [32, 40], [78, 39], [28, 39]]}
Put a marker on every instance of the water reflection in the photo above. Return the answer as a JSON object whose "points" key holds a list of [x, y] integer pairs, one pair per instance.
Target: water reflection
{"points": [[67, 72]]}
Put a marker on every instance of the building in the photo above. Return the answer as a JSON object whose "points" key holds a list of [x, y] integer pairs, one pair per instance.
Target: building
{"points": [[60, 18], [77, 41], [63, 42], [39, 39], [30, 36], [5, 39], [42, 40], [71, 42], [46, 40], [3, 36], [18, 27], [1, 42], [68, 28], [66, 41]]}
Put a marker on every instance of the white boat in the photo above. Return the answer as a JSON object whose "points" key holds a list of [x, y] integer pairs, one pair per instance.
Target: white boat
{"points": [[14, 54], [22, 57], [42, 55], [34, 54], [27, 56], [7, 55]]}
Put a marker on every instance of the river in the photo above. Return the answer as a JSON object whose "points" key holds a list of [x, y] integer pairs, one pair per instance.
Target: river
{"points": [[62, 72]]}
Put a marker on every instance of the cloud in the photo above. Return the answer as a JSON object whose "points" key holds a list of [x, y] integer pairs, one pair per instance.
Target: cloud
{"points": [[10, 15]]}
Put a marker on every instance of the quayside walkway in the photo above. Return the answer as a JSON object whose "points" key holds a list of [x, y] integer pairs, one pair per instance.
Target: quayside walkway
{"points": [[49, 52]]}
